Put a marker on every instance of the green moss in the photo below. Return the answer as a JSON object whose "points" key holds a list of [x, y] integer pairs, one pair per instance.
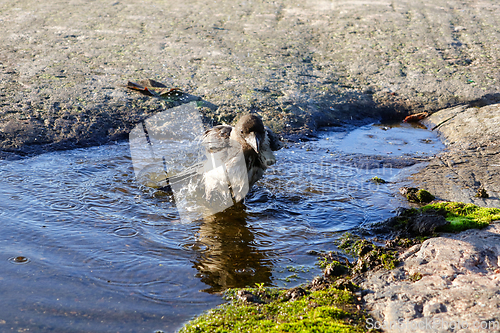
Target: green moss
{"points": [[413, 194], [402, 242], [335, 268], [402, 222], [329, 310], [378, 180], [377, 257], [369, 255], [416, 276], [464, 216], [291, 278], [389, 260], [421, 239], [348, 241], [323, 263], [481, 193], [424, 196], [297, 269]]}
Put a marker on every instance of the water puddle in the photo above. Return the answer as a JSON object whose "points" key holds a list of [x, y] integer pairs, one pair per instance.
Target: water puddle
{"points": [[391, 140], [85, 248]]}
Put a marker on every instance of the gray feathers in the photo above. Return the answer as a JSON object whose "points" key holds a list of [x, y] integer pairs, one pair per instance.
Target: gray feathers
{"points": [[257, 144]]}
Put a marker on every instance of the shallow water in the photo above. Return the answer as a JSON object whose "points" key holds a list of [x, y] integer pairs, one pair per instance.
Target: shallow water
{"points": [[86, 249]]}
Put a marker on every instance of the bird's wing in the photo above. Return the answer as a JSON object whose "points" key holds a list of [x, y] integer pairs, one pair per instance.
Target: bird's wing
{"points": [[274, 141], [186, 173], [217, 138]]}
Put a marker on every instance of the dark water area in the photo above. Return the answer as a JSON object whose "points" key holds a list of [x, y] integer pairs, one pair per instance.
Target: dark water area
{"points": [[84, 248]]}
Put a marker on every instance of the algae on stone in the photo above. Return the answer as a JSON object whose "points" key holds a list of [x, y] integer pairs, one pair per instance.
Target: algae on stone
{"points": [[369, 255], [414, 194], [464, 216], [436, 217], [329, 310], [424, 196], [378, 180]]}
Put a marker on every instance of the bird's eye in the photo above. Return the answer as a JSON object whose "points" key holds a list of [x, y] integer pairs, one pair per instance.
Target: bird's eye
{"points": [[241, 131]]}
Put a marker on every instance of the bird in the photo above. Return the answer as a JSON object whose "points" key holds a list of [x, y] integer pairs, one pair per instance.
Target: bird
{"points": [[206, 171], [239, 155]]}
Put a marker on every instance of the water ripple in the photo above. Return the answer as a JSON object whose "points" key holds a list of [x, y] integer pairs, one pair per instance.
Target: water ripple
{"points": [[64, 205], [93, 228], [125, 232], [19, 260]]}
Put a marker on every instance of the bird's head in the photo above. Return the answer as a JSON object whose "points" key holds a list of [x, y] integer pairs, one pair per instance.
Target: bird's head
{"points": [[251, 129]]}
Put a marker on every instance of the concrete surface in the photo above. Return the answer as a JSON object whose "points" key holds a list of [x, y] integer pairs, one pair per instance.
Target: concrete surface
{"points": [[300, 64]]}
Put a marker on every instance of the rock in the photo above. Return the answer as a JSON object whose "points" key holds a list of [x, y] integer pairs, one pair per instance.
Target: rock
{"points": [[335, 269], [460, 279], [389, 226], [364, 247], [472, 158], [411, 251], [426, 223], [432, 308], [424, 196], [246, 296], [335, 256], [409, 224], [319, 283], [481, 193], [378, 180], [345, 284], [413, 194], [410, 193], [295, 293]]}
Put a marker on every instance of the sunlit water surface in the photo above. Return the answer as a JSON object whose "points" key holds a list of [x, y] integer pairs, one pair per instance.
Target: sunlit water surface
{"points": [[84, 248]]}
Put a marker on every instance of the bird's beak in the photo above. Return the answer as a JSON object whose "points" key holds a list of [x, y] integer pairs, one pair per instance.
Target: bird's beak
{"points": [[253, 141]]}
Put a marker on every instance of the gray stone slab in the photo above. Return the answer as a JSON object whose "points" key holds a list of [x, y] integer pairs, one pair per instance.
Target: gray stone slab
{"points": [[300, 64], [457, 292], [472, 158]]}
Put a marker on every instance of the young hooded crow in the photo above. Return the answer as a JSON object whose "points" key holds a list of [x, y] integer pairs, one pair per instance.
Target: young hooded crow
{"points": [[250, 141]]}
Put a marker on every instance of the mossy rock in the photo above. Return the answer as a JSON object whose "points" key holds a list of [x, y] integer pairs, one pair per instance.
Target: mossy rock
{"points": [[378, 180], [369, 255], [464, 216], [413, 194], [481, 193], [432, 218], [328, 310], [424, 196], [336, 269]]}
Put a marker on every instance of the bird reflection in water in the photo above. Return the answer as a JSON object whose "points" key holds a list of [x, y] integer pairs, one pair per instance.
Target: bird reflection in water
{"points": [[230, 258]]}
